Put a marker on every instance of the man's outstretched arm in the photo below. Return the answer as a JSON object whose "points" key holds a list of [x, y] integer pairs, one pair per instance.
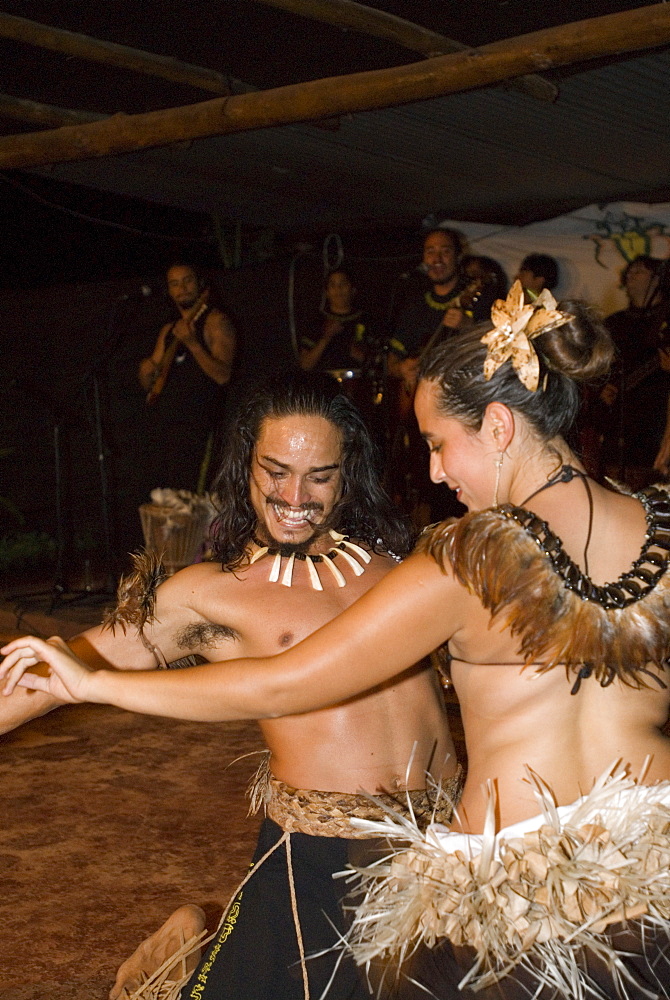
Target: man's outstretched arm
{"points": [[100, 648]]}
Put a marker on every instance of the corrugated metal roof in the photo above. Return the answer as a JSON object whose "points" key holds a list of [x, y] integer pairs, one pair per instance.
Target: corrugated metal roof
{"points": [[493, 155]]}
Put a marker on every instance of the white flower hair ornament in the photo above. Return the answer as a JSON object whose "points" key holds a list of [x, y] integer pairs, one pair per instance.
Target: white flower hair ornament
{"points": [[515, 325]]}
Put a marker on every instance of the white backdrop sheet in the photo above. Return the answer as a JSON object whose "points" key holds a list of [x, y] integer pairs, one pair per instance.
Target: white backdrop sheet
{"points": [[592, 245]]}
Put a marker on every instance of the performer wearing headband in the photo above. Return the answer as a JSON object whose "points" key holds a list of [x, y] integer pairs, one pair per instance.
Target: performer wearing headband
{"points": [[304, 529], [551, 595]]}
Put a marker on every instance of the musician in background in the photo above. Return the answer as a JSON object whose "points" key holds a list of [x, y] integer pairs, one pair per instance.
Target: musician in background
{"points": [[486, 271], [636, 397], [537, 271], [344, 343], [202, 331], [340, 338], [446, 300], [191, 360]]}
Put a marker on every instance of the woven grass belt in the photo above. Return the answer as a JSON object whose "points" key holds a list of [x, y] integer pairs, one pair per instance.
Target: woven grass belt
{"points": [[327, 814]]}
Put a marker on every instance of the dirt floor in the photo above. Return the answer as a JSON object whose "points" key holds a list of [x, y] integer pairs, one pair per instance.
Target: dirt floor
{"points": [[109, 821]]}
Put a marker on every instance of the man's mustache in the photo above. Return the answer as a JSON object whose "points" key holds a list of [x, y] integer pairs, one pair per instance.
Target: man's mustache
{"points": [[278, 502]]}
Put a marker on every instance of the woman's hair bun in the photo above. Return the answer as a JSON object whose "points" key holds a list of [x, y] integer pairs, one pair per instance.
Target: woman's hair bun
{"points": [[580, 348]]}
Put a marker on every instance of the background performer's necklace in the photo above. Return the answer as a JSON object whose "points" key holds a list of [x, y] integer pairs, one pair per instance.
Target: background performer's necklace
{"points": [[342, 548]]}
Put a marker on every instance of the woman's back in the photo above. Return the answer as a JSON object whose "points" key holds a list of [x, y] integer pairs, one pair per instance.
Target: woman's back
{"points": [[565, 728]]}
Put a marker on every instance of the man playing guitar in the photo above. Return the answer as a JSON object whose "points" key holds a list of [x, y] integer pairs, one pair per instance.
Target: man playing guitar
{"points": [[443, 304], [450, 301], [213, 353], [183, 379]]}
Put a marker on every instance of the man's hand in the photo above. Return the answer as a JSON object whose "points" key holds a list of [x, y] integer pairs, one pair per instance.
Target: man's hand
{"points": [[68, 679], [664, 358], [184, 330], [452, 318], [409, 372], [609, 393]]}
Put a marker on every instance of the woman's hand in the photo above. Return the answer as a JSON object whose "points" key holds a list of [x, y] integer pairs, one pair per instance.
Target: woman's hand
{"points": [[68, 679]]}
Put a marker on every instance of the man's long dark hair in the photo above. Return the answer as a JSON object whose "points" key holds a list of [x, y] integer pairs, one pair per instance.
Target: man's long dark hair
{"points": [[363, 511]]}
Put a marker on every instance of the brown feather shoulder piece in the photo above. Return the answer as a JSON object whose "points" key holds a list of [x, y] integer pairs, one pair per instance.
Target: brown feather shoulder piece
{"points": [[136, 593], [511, 560]]}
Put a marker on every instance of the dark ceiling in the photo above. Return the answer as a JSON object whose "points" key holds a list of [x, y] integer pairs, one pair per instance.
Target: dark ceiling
{"points": [[495, 155]]}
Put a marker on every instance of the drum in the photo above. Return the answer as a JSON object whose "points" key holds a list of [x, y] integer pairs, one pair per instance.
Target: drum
{"points": [[355, 385], [176, 536], [365, 387]]}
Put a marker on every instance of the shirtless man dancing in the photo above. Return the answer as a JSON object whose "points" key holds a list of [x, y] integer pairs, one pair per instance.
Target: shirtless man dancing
{"points": [[304, 530]]}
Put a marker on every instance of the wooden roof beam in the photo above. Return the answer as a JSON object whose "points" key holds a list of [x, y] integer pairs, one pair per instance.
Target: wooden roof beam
{"points": [[70, 43], [614, 34], [122, 57], [349, 15], [20, 110]]}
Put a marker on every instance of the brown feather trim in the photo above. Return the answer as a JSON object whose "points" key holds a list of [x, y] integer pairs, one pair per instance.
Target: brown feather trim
{"points": [[500, 562], [136, 593]]}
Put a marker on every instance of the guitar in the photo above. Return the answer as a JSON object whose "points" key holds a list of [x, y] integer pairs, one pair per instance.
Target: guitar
{"points": [[163, 370], [463, 300], [647, 368]]}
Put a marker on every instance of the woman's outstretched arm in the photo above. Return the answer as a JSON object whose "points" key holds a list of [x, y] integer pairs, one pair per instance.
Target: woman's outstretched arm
{"points": [[403, 618]]}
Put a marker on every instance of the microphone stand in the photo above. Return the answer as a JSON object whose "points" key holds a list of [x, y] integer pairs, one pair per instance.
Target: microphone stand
{"points": [[109, 587], [61, 594], [109, 346], [61, 418]]}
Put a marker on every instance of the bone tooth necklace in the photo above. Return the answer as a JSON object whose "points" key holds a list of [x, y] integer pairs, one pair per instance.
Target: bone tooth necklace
{"points": [[343, 548]]}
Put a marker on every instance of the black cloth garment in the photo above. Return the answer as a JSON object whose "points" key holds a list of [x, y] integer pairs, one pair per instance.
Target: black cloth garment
{"points": [[255, 954], [436, 973], [354, 332], [180, 422]]}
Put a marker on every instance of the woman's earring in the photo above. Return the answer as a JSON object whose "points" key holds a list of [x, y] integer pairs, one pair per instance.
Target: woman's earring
{"points": [[499, 463]]}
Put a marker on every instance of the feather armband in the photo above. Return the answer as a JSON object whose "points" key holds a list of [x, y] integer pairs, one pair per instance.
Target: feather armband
{"points": [[136, 593]]}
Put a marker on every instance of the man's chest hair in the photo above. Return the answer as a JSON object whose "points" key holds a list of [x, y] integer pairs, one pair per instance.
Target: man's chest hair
{"points": [[260, 610]]}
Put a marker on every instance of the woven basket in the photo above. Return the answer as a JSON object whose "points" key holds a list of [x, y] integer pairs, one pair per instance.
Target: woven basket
{"points": [[174, 535]]}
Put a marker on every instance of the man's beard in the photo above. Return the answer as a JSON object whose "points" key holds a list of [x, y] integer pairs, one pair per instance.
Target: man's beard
{"points": [[187, 304], [443, 281], [294, 548]]}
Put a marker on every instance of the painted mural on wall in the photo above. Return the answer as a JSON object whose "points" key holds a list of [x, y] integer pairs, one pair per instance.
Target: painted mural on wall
{"points": [[592, 245]]}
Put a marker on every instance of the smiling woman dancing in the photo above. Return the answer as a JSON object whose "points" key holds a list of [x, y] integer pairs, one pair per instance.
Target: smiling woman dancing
{"points": [[553, 594]]}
